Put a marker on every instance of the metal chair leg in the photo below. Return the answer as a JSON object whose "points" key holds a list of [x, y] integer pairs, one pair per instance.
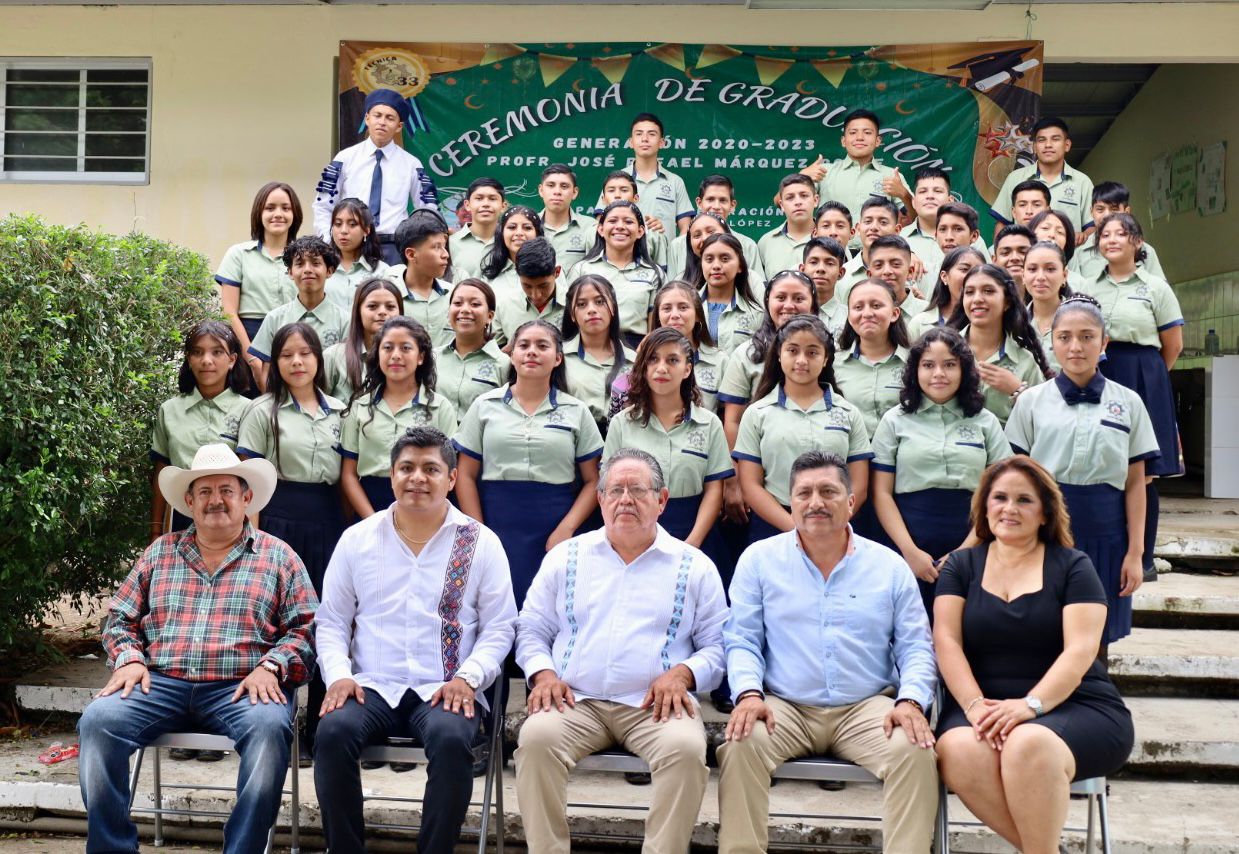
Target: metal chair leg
{"points": [[133, 779], [942, 823], [158, 801], [270, 847], [1088, 838], [487, 789], [1103, 810], [500, 817], [295, 770]]}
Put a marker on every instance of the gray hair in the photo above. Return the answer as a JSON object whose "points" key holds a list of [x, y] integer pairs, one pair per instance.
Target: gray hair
{"points": [[656, 471], [810, 460]]}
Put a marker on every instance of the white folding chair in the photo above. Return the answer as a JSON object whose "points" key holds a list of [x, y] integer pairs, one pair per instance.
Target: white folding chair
{"points": [[205, 741], [400, 749]]}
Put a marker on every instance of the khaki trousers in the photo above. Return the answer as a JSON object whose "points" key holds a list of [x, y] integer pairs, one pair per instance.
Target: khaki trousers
{"points": [[551, 743], [853, 733]]}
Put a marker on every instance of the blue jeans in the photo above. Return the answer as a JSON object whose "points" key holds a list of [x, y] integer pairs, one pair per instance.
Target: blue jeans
{"points": [[111, 729], [448, 741]]}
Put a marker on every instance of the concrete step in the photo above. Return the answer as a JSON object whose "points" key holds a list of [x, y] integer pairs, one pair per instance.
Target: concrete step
{"points": [[1147, 817], [1192, 662], [1188, 600], [1199, 531], [1185, 736]]}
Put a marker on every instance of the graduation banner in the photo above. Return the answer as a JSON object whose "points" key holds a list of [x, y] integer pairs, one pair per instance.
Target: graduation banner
{"points": [[754, 114]]}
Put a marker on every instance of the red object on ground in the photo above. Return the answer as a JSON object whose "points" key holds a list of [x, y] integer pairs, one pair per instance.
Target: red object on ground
{"points": [[59, 753]]}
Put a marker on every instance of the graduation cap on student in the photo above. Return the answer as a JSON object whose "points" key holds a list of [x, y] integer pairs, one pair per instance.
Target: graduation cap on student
{"points": [[388, 98], [988, 70]]}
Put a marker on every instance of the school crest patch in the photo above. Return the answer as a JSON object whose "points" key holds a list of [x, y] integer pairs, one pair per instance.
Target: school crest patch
{"points": [[967, 433], [555, 416], [330, 336], [696, 439], [487, 372], [837, 417], [705, 378], [419, 416], [1116, 410]]}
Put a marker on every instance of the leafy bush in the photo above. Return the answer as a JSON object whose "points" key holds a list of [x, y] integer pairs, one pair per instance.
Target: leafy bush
{"points": [[90, 334]]}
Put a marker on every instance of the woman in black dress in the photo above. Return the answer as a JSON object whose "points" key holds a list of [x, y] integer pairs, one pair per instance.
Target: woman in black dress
{"points": [[1017, 625]]}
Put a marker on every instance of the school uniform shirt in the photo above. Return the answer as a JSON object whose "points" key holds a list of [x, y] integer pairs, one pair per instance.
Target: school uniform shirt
{"points": [[925, 246], [1047, 346], [573, 241], [1083, 435], [335, 371], [307, 441], [924, 321], [511, 444], [635, 285], [740, 377], [343, 283], [872, 387], [659, 246], [663, 196], [733, 326], [938, 447], [369, 440], [775, 431], [912, 305], [852, 184], [677, 259], [780, 251], [430, 312], [1088, 261], [1018, 361], [1137, 309], [587, 377], [609, 629], [327, 319], [708, 366], [350, 174], [186, 422], [854, 272], [1071, 193], [692, 453], [834, 313], [467, 251], [514, 311], [463, 378], [262, 279]]}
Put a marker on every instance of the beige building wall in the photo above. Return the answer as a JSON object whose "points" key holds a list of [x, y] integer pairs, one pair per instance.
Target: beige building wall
{"points": [[1180, 104], [244, 94]]}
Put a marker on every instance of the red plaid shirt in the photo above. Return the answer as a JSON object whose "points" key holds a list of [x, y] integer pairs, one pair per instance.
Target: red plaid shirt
{"points": [[179, 619]]}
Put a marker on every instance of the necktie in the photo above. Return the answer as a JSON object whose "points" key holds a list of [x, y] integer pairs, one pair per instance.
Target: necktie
{"points": [[376, 187]]}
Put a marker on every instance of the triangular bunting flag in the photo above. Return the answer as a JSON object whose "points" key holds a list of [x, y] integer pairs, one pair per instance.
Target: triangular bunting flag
{"points": [[613, 68], [770, 70], [553, 67], [714, 53], [833, 69], [671, 54], [500, 52]]}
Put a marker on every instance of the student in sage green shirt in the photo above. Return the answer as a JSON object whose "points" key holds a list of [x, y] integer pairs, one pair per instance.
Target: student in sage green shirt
{"points": [[207, 408], [361, 256], [594, 351], [678, 305], [858, 176], [344, 364], [732, 311], [1071, 191], [873, 351], [542, 291], [945, 295], [993, 320], [498, 269], [296, 427], [570, 233], [399, 393], [471, 363], [485, 199], [798, 409], [782, 248], [422, 242]]}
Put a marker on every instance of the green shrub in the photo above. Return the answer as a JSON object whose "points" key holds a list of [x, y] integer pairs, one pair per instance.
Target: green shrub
{"points": [[90, 334]]}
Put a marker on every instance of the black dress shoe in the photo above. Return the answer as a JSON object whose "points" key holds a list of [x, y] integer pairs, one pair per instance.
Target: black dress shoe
{"points": [[832, 785], [305, 756], [182, 754], [637, 778], [210, 755], [723, 704], [370, 765], [1150, 574], [402, 767]]}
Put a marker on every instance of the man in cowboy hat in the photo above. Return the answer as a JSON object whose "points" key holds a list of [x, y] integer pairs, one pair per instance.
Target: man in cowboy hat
{"points": [[209, 632]]}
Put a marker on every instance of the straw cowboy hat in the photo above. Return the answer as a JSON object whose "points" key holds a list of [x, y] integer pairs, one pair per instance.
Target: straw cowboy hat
{"points": [[218, 458]]}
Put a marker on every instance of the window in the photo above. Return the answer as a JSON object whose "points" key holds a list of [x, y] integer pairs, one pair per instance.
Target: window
{"points": [[75, 120]]}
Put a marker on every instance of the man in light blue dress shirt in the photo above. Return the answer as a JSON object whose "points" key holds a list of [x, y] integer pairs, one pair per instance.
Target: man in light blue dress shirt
{"points": [[828, 651]]}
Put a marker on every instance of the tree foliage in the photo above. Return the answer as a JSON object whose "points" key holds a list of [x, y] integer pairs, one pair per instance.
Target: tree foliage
{"points": [[90, 336]]}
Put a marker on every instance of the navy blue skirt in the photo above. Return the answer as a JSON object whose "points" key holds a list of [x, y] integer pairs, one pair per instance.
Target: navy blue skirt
{"points": [[252, 325], [866, 523], [938, 521], [524, 513], [760, 529], [1141, 369], [308, 517], [1099, 525], [378, 491], [680, 517]]}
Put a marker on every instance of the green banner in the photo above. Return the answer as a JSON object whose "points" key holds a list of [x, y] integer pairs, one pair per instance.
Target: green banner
{"points": [[754, 114]]}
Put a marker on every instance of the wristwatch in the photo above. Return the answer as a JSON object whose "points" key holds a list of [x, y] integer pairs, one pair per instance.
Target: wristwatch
{"points": [[1035, 705], [470, 680], [270, 667]]}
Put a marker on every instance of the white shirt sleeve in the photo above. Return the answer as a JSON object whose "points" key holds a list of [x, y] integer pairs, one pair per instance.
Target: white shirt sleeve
{"points": [[708, 661], [539, 622], [496, 609], [333, 621]]}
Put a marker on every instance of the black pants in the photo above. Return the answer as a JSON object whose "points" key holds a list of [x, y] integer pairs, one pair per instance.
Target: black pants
{"points": [[448, 740]]}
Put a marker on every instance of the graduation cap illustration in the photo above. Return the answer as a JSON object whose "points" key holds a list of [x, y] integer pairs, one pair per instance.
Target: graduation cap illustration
{"points": [[989, 70]]}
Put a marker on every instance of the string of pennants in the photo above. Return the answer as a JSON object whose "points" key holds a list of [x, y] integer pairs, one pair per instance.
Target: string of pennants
{"points": [[613, 68]]}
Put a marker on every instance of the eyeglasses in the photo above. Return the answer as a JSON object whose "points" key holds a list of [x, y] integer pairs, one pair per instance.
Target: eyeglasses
{"points": [[615, 493]]}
